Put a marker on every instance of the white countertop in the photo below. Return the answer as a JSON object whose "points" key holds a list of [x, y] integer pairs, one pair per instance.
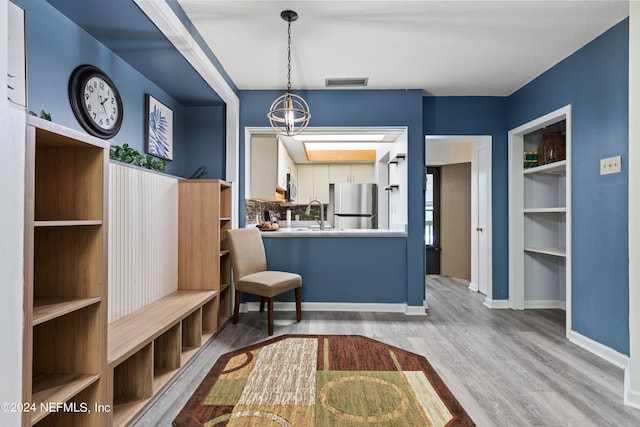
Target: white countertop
{"points": [[330, 232]]}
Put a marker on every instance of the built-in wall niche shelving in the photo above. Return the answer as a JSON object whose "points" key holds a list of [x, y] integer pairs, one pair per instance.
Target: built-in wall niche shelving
{"points": [[64, 350], [539, 219], [545, 207]]}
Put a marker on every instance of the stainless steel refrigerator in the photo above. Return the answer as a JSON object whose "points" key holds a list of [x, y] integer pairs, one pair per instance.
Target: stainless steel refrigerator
{"points": [[353, 206]]}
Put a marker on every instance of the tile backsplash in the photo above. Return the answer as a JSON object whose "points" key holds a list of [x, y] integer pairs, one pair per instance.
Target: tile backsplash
{"points": [[279, 211]]}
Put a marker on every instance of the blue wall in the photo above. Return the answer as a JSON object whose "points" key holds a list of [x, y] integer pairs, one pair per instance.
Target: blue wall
{"points": [[363, 108], [56, 46], [205, 140], [347, 269], [594, 81], [481, 116]]}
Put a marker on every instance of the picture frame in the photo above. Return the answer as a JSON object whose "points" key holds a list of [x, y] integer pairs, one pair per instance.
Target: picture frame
{"points": [[158, 128]]}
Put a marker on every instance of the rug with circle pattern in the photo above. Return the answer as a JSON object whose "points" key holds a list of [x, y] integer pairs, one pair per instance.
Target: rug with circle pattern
{"points": [[322, 380]]}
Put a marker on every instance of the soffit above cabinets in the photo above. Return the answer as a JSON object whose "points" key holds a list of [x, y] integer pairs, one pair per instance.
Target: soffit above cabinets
{"points": [[370, 139]]}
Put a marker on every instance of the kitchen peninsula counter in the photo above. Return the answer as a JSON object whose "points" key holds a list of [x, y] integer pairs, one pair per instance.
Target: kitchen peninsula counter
{"points": [[342, 269]]}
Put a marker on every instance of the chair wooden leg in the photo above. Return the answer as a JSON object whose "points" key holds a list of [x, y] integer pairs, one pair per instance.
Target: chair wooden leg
{"points": [[270, 315], [298, 305], [236, 309], [262, 300]]}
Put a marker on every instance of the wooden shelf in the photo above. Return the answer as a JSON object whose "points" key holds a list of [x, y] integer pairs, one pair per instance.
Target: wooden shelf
{"points": [[147, 347], [557, 252], [69, 223], [45, 309], [123, 412], [58, 388], [163, 376], [131, 333]]}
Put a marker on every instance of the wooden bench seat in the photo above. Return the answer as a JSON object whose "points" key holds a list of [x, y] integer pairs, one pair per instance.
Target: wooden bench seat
{"points": [[129, 334]]}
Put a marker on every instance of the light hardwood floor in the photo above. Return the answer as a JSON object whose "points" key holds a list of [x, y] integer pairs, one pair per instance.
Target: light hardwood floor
{"points": [[507, 368]]}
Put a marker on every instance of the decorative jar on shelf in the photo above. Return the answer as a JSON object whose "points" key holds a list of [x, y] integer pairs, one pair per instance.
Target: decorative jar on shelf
{"points": [[552, 148]]}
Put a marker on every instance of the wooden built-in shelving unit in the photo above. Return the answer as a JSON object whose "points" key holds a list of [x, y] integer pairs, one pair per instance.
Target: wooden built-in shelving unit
{"points": [[65, 271], [149, 346], [203, 253], [106, 373]]}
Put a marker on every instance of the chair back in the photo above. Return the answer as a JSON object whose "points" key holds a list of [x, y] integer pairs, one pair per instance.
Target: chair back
{"points": [[247, 251]]}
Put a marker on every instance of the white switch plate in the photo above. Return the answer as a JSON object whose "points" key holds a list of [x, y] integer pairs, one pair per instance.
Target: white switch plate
{"points": [[610, 165]]}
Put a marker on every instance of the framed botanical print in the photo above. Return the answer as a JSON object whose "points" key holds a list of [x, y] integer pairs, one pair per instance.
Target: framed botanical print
{"points": [[159, 128]]}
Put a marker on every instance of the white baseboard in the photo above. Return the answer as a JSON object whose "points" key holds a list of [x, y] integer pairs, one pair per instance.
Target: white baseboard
{"points": [[541, 304], [631, 397], [607, 353], [474, 287], [339, 306], [416, 310], [496, 303]]}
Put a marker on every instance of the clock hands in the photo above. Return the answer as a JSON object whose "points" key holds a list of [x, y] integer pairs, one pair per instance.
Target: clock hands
{"points": [[102, 103]]}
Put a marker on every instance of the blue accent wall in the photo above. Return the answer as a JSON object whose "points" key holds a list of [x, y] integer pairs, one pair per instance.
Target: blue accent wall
{"points": [[481, 116], [56, 46], [595, 81], [363, 108]]}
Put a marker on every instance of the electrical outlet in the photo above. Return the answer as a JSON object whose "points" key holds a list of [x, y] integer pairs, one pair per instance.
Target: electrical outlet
{"points": [[610, 165]]}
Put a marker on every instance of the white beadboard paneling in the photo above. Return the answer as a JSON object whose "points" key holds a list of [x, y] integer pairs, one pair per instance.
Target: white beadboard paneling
{"points": [[143, 238]]}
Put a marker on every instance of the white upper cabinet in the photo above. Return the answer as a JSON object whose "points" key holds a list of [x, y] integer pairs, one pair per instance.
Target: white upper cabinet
{"points": [[352, 173], [270, 163], [285, 166], [313, 183]]}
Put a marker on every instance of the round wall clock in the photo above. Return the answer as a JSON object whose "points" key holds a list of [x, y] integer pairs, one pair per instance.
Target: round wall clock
{"points": [[95, 101]]}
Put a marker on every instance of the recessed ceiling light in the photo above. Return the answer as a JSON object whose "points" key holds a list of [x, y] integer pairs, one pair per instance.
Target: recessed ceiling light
{"points": [[335, 146], [339, 137]]}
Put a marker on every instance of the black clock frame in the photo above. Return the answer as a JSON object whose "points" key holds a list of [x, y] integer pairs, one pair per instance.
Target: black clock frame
{"points": [[77, 81]]}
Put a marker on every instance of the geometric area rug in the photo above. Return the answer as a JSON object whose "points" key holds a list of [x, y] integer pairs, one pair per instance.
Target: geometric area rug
{"points": [[322, 380]]}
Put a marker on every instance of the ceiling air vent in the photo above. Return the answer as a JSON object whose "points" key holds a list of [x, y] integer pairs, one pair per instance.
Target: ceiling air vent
{"points": [[346, 82]]}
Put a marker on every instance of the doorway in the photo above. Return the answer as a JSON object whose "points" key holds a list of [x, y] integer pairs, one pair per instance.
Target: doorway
{"points": [[476, 151], [481, 215], [432, 220]]}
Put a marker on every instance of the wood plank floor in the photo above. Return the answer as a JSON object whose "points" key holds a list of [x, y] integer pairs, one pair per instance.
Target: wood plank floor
{"points": [[507, 368]]}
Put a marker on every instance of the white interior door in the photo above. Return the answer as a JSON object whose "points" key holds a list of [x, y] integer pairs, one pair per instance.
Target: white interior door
{"points": [[481, 216]]}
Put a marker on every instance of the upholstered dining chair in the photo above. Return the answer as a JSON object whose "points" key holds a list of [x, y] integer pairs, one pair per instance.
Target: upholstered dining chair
{"points": [[249, 263]]}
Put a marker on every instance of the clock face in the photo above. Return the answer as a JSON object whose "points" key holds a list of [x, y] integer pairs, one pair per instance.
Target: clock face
{"points": [[95, 101], [100, 103]]}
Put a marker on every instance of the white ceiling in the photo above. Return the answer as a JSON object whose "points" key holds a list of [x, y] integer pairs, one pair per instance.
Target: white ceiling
{"points": [[446, 48]]}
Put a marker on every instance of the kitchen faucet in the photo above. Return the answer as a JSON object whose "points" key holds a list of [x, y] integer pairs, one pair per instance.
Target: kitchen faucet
{"points": [[308, 211]]}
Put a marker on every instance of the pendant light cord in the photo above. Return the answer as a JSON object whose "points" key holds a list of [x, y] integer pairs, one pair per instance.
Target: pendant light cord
{"points": [[289, 57]]}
